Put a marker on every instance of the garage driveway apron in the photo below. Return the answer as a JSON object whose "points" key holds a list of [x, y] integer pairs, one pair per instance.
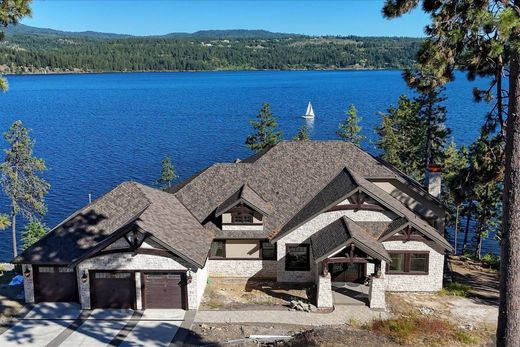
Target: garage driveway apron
{"points": [[62, 324], [41, 325]]}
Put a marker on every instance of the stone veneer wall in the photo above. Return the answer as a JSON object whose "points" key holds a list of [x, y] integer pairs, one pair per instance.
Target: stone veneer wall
{"points": [[144, 262], [28, 284], [323, 291], [432, 282], [303, 233], [376, 293], [242, 268]]}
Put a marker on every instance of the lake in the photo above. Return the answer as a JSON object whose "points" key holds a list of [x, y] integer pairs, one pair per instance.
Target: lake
{"points": [[97, 130]]}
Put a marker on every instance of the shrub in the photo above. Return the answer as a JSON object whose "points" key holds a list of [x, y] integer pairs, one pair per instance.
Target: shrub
{"points": [[456, 289], [463, 337], [406, 329], [491, 260]]}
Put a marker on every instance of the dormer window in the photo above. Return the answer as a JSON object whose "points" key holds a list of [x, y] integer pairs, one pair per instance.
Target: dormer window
{"points": [[241, 218]]}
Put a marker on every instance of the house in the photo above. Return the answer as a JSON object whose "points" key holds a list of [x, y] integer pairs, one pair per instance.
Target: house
{"points": [[311, 212]]}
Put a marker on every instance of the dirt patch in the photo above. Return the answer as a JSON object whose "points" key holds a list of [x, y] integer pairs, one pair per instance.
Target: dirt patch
{"points": [[240, 294], [484, 282], [238, 335]]}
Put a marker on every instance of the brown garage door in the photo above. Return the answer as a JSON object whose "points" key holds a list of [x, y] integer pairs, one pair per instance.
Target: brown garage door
{"points": [[112, 289], [55, 284], [163, 290]]}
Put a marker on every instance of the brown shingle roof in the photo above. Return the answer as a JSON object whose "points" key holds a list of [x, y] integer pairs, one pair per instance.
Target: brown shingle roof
{"points": [[151, 210], [341, 233], [287, 176], [247, 195]]}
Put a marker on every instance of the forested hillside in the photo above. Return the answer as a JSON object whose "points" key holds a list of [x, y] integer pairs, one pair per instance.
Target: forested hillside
{"points": [[30, 50]]}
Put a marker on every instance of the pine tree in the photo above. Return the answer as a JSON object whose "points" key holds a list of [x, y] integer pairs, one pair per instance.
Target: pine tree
{"points": [[168, 173], [266, 133], [402, 137], [33, 231], [303, 134], [10, 13], [349, 129], [455, 182], [20, 177]]}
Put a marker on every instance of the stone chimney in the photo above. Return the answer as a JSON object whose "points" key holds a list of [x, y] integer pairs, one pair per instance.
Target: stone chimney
{"points": [[433, 180]]}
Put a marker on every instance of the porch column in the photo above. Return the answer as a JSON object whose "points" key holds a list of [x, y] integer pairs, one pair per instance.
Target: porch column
{"points": [[324, 291], [376, 293], [28, 284]]}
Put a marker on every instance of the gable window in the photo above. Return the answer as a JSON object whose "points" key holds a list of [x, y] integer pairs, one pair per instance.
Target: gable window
{"points": [[408, 263], [268, 250], [297, 257], [241, 218], [217, 249]]}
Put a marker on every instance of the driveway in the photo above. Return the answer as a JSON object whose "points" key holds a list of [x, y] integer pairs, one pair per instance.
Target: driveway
{"points": [[64, 324]]}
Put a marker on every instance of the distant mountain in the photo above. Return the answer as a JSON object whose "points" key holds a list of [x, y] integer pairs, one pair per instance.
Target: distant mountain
{"points": [[22, 29]]}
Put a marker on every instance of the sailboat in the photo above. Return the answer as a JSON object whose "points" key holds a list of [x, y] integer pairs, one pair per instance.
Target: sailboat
{"points": [[310, 112]]}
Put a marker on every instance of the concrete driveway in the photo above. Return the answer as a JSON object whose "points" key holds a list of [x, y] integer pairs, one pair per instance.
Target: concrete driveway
{"points": [[64, 324]]}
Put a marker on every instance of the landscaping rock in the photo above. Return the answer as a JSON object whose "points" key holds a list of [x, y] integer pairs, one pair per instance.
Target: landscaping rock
{"points": [[427, 311]]}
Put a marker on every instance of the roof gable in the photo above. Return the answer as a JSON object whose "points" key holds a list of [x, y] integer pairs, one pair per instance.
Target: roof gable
{"points": [[245, 195]]}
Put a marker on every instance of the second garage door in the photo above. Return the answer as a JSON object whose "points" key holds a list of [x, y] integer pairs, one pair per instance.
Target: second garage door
{"points": [[112, 289], [163, 290]]}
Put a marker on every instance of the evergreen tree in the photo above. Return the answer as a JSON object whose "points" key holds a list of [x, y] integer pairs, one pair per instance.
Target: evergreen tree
{"points": [[303, 134], [168, 173], [483, 38], [20, 177], [5, 221], [33, 231], [266, 133], [432, 113], [455, 183], [349, 129], [402, 137], [10, 13]]}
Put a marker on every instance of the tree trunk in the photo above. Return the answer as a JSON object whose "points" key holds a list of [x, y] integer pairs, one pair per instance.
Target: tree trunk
{"points": [[466, 232], [478, 243], [456, 229], [508, 329], [13, 224]]}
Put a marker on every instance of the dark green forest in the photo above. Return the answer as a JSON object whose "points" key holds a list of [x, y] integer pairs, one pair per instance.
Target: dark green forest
{"points": [[53, 51]]}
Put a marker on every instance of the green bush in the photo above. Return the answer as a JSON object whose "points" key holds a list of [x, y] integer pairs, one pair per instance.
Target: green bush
{"points": [[456, 289], [491, 260]]}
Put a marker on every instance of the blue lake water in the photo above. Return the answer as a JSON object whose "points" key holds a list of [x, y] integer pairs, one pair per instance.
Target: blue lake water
{"points": [[97, 130]]}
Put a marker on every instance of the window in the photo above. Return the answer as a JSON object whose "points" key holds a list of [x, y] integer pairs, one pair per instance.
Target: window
{"points": [[268, 250], [397, 264], [297, 257], [408, 263], [419, 262], [217, 249], [241, 218], [46, 269]]}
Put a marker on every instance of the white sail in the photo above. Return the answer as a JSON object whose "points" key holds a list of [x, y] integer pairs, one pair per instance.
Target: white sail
{"points": [[310, 112]]}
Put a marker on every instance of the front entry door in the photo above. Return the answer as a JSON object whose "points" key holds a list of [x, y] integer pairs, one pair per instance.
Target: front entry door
{"points": [[346, 272]]}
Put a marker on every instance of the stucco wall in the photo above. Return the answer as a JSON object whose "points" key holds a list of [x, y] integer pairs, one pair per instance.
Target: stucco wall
{"points": [[431, 282], [144, 262], [303, 233], [242, 268], [243, 249]]}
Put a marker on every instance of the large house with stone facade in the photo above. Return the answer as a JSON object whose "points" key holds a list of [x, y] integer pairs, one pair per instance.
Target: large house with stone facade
{"points": [[311, 212]]}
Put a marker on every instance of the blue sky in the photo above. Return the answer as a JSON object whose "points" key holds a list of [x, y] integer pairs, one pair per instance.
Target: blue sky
{"points": [[150, 17]]}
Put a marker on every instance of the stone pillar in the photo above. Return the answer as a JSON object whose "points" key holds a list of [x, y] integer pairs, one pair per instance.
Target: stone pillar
{"points": [[376, 293], [28, 284], [138, 296], [324, 291], [84, 288]]}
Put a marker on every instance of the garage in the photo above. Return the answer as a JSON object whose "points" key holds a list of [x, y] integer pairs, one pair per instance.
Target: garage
{"points": [[164, 290], [110, 289], [55, 284]]}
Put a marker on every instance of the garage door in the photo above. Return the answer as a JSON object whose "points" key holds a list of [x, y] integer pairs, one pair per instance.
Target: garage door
{"points": [[112, 289], [55, 284], [163, 290]]}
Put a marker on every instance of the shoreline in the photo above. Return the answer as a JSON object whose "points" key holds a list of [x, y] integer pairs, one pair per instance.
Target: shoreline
{"points": [[188, 71]]}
